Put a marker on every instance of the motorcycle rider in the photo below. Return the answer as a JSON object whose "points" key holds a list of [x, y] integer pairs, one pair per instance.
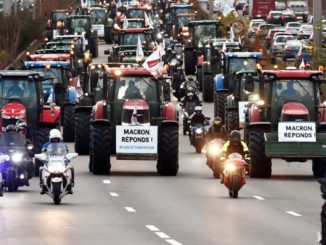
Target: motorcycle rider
{"points": [[191, 97], [216, 130], [55, 137], [235, 145]]}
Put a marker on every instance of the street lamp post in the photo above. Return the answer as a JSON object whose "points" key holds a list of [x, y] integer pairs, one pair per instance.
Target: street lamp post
{"points": [[317, 19]]}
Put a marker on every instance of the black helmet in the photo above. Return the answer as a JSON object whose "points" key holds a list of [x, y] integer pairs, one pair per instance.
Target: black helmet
{"points": [[10, 128], [235, 137], [217, 122]]}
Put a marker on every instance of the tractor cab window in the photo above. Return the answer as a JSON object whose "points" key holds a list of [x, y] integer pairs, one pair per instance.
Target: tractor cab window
{"points": [[79, 25], [202, 33], [184, 21], [55, 74], [136, 13], [248, 88], [98, 16], [132, 39], [241, 64], [18, 89], [182, 10], [136, 88], [135, 24], [293, 90]]}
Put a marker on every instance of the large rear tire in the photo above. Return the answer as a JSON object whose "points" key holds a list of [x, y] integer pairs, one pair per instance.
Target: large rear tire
{"points": [[219, 104], [41, 136], [260, 165], [190, 62], [101, 149], [168, 151], [68, 123], [232, 122], [208, 86], [82, 132], [200, 78]]}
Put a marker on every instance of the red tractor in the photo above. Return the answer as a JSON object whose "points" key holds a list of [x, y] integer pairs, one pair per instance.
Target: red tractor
{"points": [[135, 120], [287, 122], [21, 98]]}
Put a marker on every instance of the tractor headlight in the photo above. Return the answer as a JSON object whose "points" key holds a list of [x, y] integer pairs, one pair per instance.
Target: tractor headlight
{"points": [[159, 36], [20, 116], [260, 102], [17, 157], [5, 116], [187, 34]]}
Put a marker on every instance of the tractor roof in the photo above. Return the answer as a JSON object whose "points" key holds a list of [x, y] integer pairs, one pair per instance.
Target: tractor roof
{"points": [[187, 15], [181, 5], [134, 30], [203, 22], [52, 64], [61, 11], [284, 74], [19, 73], [79, 16], [127, 71], [49, 57], [242, 54], [70, 37]]}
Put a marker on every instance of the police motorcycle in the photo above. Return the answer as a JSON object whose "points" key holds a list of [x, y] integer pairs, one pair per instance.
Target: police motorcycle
{"points": [[15, 161], [213, 156], [234, 174], [56, 176]]}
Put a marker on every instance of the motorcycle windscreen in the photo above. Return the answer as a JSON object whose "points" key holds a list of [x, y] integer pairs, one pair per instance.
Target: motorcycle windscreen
{"points": [[56, 149]]}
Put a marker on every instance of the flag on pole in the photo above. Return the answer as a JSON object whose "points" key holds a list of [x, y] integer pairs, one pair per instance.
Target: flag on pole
{"points": [[224, 49], [148, 20], [125, 23], [232, 37], [139, 51], [153, 64], [302, 65]]}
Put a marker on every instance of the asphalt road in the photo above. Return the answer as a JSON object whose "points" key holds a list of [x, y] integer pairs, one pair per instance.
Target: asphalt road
{"points": [[136, 206]]}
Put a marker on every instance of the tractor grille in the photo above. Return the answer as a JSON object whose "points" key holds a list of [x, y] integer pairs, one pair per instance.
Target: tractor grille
{"points": [[6, 122], [294, 118]]}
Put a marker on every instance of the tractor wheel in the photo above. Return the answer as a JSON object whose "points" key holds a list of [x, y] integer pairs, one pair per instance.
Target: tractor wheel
{"points": [[190, 62], [168, 151], [101, 150], [207, 88], [232, 121], [82, 132], [260, 165], [219, 104], [41, 136], [69, 123], [200, 78], [319, 167], [93, 47]]}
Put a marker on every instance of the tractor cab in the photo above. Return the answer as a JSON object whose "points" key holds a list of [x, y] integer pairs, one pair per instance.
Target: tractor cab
{"points": [[58, 82], [133, 23], [99, 19], [79, 24], [130, 37], [130, 56], [137, 12], [177, 8], [181, 31], [21, 98], [57, 22]]}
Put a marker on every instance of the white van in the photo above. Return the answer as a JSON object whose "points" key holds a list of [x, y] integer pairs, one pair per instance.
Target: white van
{"points": [[300, 8]]}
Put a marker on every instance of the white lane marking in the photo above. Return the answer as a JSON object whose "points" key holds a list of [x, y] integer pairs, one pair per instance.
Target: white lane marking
{"points": [[152, 228], [259, 198], [318, 236], [162, 235], [106, 181], [130, 209], [113, 194], [293, 213], [173, 242]]}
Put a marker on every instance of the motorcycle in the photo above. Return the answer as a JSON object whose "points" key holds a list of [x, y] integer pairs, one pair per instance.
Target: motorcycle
{"points": [[197, 136], [56, 175], [234, 172], [16, 164], [213, 156], [188, 110], [1, 183]]}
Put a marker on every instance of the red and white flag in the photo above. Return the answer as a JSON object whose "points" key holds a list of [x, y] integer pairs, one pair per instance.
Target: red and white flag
{"points": [[154, 63]]}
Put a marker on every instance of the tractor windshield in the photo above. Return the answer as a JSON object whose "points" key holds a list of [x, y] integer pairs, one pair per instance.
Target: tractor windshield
{"points": [[184, 20], [135, 24], [241, 64], [136, 13], [183, 10], [56, 16], [54, 73], [98, 16], [293, 90], [19, 89], [136, 88], [132, 39], [79, 25], [202, 33]]}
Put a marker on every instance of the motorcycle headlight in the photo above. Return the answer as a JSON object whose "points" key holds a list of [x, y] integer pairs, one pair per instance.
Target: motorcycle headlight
{"points": [[230, 167], [173, 62], [213, 150], [159, 36], [198, 131], [17, 157], [179, 56]]}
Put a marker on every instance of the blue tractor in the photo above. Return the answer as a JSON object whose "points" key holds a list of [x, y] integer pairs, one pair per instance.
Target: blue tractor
{"points": [[229, 86], [61, 89]]}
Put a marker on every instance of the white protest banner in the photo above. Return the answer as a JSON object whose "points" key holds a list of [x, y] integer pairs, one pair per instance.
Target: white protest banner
{"points": [[243, 107], [297, 132], [136, 139], [154, 64]]}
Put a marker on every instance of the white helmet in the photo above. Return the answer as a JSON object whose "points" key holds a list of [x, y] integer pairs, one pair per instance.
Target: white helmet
{"points": [[55, 134], [198, 109]]}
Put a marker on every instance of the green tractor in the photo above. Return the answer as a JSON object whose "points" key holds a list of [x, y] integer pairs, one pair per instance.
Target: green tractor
{"points": [[287, 122], [82, 25], [135, 120], [226, 82]]}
